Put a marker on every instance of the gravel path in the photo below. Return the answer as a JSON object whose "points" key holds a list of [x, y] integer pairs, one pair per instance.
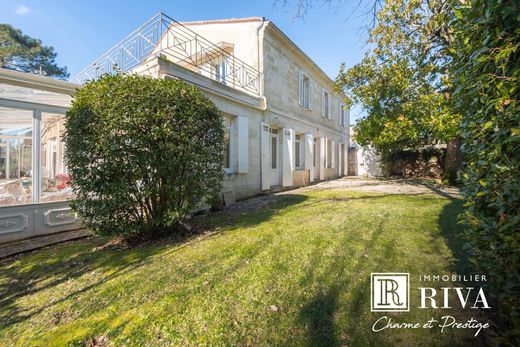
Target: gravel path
{"points": [[388, 186]]}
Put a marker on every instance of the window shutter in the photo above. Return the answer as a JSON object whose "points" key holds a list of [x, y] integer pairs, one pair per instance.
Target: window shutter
{"points": [[300, 88], [340, 121], [287, 156], [310, 94], [264, 155], [333, 154], [329, 114], [243, 144], [326, 152], [323, 103], [308, 151], [323, 157]]}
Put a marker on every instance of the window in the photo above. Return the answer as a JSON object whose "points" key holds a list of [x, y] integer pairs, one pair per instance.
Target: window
{"points": [[329, 153], [16, 146], [55, 180], [220, 72], [325, 104], [17, 152], [228, 144], [298, 152], [314, 147], [274, 148], [342, 115], [304, 90]]}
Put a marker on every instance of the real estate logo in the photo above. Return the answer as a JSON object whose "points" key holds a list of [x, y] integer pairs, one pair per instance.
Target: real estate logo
{"points": [[390, 292]]}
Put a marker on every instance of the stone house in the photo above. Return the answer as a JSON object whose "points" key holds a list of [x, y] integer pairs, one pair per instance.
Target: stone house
{"points": [[286, 126]]}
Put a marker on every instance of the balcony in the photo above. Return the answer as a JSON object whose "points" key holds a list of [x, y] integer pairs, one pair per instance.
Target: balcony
{"points": [[161, 36]]}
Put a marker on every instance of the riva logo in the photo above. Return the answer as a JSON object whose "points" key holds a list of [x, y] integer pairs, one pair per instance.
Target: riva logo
{"points": [[390, 292]]}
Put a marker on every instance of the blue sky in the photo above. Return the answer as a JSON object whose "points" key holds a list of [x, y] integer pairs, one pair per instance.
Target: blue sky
{"points": [[81, 31]]}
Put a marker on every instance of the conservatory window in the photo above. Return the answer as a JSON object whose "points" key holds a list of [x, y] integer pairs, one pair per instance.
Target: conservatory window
{"points": [[54, 177], [16, 145]]}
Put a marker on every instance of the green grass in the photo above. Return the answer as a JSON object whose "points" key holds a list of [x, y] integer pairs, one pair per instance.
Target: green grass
{"points": [[309, 254]]}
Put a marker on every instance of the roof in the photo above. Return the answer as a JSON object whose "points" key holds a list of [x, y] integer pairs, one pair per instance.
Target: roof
{"points": [[225, 21], [27, 80]]}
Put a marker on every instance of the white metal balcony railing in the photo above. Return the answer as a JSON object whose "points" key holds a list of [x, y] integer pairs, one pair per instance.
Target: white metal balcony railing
{"points": [[163, 36]]}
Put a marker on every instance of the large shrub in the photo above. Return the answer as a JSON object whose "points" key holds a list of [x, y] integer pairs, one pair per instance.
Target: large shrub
{"points": [[486, 76], [142, 153]]}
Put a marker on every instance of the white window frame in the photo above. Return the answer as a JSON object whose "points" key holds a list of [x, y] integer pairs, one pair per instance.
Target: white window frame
{"points": [[304, 90], [229, 170], [328, 154], [37, 110], [342, 115], [299, 138], [325, 104], [219, 70]]}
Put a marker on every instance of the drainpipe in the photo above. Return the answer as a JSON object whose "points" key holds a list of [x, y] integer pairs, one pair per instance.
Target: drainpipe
{"points": [[260, 57]]}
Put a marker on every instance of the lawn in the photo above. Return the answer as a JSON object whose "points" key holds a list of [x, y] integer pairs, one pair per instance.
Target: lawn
{"points": [[295, 272]]}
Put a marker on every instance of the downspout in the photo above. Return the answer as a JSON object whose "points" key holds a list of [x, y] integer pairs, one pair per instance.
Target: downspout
{"points": [[260, 58]]}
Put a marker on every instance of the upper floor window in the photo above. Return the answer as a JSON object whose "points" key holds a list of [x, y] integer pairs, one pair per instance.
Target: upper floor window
{"points": [[304, 90], [342, 115], [325, 104], [220, 72], [298, 152]]}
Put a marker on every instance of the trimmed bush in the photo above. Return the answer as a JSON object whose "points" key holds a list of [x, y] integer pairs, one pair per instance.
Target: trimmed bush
{"points": [[142, 153], [487, 80]]}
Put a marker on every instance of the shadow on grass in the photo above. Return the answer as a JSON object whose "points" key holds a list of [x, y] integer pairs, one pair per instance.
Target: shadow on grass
{"points": [[318, 313], [452, 231], [44, 269]]}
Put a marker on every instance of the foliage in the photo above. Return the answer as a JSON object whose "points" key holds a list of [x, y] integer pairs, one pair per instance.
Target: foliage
{"points": [[142, 153], [24, 53], [486, 74], [302, 254], [401, 83], [423, 162]]}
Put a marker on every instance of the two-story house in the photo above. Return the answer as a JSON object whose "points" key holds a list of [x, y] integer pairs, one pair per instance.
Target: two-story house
{"points": [[285, 124]]}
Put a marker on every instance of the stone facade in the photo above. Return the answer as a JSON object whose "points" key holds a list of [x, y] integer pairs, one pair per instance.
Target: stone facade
{"points": [[267, 129]]}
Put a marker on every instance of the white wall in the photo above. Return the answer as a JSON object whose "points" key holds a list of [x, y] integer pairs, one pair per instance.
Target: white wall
{"points": [[368, 162]]}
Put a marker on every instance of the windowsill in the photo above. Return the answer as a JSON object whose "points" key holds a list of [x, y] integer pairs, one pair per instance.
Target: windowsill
{"points": [[299, 169]]}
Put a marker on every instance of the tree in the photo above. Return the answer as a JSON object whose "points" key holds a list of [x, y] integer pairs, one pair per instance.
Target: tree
{"points": [[402, 82], [23, 53], [486, 54], [142, 153]]}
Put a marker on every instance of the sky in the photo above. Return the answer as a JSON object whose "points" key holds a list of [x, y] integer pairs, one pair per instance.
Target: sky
{"points": [[81, 30]]}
